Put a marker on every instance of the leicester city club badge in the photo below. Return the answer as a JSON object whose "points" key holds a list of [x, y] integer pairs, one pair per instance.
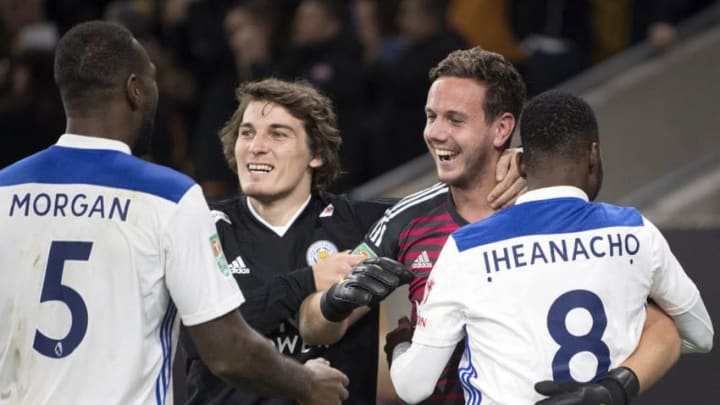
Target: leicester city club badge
{"points": [[319, 250]]}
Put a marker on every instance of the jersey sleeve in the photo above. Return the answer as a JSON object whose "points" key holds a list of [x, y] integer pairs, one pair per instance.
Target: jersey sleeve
{"points": [[382, 238], [441, 314], [367, 212], [196, 271], [671, 287], [266, 307]]}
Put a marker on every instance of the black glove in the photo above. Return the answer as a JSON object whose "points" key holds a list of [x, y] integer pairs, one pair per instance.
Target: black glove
{"points": [[368, 283], [618, 387], [403, 333]]}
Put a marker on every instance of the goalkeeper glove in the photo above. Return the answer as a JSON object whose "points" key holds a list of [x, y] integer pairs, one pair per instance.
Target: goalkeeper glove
{"points": [[368, 283], [618, 387]]}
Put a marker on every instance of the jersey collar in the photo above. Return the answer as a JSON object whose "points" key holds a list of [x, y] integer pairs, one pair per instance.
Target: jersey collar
{"points": [[546, 193], [92, 142], [282, 229]]}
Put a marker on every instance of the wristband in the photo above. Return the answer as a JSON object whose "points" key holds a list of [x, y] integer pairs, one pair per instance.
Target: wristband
{"points": [[329, 308], [621, 382]]}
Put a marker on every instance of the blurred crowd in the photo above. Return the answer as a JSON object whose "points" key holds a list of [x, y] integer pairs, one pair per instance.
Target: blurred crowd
{"points": [[370, 56]]}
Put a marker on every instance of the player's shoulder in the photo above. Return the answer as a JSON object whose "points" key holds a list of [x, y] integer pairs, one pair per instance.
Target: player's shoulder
{"points": [[343, 205], [551, 216], [98, 167], [617, 215], [419, 202], [155, 179], [229, 210]]}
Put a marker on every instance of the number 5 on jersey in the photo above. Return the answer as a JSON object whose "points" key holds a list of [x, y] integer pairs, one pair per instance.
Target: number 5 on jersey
{"points": [[54, 290]]}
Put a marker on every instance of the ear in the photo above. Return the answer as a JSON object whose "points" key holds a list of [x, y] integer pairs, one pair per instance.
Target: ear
{"points": [[133, 92], [316, 162], [594, 158], [503, 129]]}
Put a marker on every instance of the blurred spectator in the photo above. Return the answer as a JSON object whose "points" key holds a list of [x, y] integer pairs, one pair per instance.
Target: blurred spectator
{"points": [[31, 114], [611, 27], [193, 31], [67, 13], [486, 23], [655, 20], [325, 51], [403, 82], [176, 86], [250, 29], [376, 29], [556, 36]]}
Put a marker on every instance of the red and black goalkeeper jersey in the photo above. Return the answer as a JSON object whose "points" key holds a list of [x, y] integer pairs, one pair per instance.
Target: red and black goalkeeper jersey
{"points": [[275, 275], [413, 231]]}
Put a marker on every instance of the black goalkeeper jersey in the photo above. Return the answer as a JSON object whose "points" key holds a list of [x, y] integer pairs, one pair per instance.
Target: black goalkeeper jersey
{"points": [[413, 231], [275, 275]]}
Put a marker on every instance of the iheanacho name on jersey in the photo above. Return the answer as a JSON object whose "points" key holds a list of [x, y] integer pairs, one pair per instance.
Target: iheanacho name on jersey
{"points": [[62, 205], [560, 250]]}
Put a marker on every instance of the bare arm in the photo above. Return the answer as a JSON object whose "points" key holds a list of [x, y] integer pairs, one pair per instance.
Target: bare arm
{"points": [[658, 349], [244, 359], [325, 316], [316, 330]]}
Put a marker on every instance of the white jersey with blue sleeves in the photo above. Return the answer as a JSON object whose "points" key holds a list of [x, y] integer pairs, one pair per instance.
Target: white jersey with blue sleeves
{"points": [[101, 255], [554, 287]]}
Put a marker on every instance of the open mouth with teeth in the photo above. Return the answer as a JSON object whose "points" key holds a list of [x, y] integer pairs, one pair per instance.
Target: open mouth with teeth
{"points": [[259, 168], [445, 154]]}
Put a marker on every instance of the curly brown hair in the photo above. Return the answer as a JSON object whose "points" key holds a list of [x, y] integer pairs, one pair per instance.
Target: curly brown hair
{"points": [[303, 102]]}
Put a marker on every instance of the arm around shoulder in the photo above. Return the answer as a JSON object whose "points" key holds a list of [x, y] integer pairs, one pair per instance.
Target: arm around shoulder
{"points": [[657, 351]]}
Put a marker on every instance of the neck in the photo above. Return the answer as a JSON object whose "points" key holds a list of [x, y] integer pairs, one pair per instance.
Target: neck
{"points": [[471, 202], [101, 125], [558, 175], [277, 212]]}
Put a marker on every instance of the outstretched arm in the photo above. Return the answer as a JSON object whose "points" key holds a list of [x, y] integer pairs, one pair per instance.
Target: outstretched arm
{"points": [[266, 307], [325, 317], [244, 359], [316, 330]]}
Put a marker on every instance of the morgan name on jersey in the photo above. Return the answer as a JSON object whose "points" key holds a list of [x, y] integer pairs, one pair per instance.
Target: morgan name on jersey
{"points": [[63, 204]]}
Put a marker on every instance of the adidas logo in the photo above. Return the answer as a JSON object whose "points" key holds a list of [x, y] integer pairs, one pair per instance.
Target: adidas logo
{"points": [[422, 261], [238, 266]]}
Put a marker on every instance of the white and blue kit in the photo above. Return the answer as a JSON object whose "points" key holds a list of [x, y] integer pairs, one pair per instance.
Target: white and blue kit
{"points": [[101, 255], [553, 288]]}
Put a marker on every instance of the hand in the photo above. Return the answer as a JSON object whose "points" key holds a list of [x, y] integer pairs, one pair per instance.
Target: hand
{"points": [[333, 268], [328, 384], [367, 284], [403, 333], [510, 181], [618, 387], [573, 393]]}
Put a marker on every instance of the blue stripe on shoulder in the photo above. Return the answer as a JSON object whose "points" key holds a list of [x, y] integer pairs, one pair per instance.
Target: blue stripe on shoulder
{"points": [[101, 167], [546, 217]]}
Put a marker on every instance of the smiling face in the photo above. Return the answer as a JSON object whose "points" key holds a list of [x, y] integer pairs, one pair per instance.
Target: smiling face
{"points": [[273, 158], [460, 140]]}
